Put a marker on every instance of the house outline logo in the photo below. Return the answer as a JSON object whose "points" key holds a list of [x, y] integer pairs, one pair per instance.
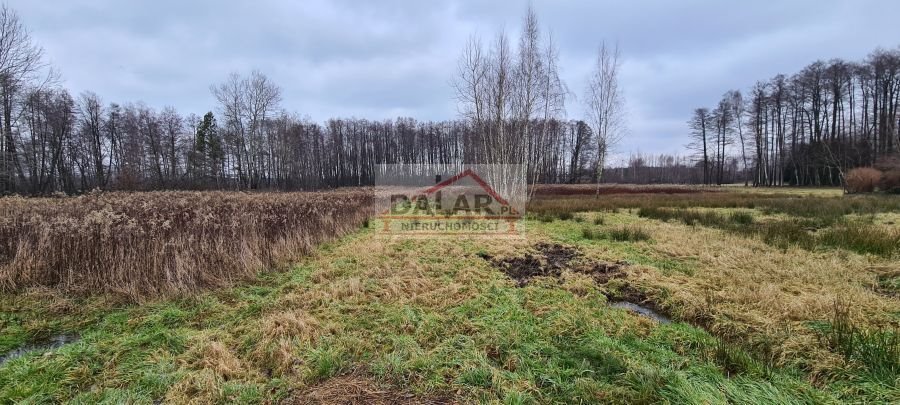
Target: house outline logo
{"points": [[511, 215]]}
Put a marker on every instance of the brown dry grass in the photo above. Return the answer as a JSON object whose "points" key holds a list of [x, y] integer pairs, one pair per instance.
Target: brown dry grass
{"points": [[745, 290], [281, 333], [159, 243], [382, 273], [209, 354]]}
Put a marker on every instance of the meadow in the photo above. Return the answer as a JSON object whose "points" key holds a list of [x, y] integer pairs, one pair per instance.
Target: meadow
{"points": [[756, 296]]}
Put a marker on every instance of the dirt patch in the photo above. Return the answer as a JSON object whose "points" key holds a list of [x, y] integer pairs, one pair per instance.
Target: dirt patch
{"points": [[602, 272], [356, 389], [550, 260]]}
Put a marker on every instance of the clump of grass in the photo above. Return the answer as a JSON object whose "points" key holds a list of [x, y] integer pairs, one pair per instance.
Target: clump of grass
{"points": [[741, 218], [622, 234], [599, 220], [629, 234], [863, 238], [735, 361], [541, 216], [565, 216], [888, 284], [785, 234], [878, 351], [278, 334]]}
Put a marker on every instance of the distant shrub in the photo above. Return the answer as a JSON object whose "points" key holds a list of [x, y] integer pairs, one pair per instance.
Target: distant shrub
{"points": [[888, 163], [862, 180], [890, 181]]}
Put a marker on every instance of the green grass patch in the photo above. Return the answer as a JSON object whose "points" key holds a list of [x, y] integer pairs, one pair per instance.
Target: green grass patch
{"points": [[863, 238]]}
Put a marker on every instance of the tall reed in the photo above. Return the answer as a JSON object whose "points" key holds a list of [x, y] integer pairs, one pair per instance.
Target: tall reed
{"points": [[158, 243]]}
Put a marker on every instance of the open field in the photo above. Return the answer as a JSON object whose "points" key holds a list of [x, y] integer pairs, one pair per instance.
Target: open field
{"points": [[775, 296]]}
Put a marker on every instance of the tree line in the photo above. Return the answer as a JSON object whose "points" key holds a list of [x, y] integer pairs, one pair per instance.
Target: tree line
{"points": [[804, 129], [664, 168], [512, 108], [79, 144]]}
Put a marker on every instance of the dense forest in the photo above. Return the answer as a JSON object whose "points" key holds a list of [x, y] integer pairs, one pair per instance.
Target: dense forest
{"points": [[804, 129], [80, 144]]}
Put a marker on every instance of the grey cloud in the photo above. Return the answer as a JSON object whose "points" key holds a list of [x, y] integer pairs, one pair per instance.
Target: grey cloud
{"points": [[395, 57]]}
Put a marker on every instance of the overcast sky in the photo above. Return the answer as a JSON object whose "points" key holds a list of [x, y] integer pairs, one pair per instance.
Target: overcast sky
{"points": [[389, 58]]}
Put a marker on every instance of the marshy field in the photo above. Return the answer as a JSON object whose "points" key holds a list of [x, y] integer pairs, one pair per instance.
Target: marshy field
{"points": [[645, 294]]}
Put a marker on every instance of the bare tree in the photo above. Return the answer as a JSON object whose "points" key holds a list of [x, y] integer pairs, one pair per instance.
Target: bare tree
{"points": [[246, 103], [470, 85], [700, 125], [736, 105], [553, 95], [606, 104], [90, 115], [21, 66], [723, 120], [527, 85]]}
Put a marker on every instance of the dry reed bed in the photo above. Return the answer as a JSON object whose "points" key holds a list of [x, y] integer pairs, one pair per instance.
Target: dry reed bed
{"points": [[161, 243]]}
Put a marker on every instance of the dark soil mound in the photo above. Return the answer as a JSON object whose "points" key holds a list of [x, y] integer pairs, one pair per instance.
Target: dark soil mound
{"points": [[550, 260]]}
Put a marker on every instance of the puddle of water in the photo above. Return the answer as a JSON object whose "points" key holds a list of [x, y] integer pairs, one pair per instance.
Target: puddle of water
{"points": [[642, 311], [49, 344]]}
